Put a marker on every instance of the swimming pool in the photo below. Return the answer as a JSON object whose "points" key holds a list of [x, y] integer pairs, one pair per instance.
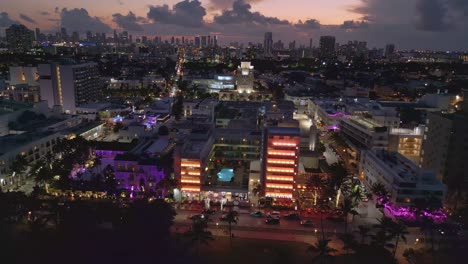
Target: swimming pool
{"points": [[225, 175]]}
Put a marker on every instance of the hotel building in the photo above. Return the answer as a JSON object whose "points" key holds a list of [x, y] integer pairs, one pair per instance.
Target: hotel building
{"points": [[280, 161]]}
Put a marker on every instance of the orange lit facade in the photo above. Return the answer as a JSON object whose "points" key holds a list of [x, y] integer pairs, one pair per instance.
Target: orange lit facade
{"points": [[280, 161], [190, 175]]}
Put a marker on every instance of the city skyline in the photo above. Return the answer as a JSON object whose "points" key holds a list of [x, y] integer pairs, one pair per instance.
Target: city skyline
{"points": [[413, 24]]}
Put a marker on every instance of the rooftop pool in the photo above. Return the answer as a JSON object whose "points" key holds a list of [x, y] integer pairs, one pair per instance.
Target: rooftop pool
{"points": [[225, 175]]}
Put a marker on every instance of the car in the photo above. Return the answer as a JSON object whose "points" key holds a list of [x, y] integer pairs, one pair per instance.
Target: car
{"points": [[292, 216], [272, 221], [307, 223], [365, 199], [196, 216], [256, 214], [274, 214]]}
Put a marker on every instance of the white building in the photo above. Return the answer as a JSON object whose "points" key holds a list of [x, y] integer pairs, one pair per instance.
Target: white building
{"points": [[364, 133], [69, 85], [24, 75], [404, 180], [245, 77]]}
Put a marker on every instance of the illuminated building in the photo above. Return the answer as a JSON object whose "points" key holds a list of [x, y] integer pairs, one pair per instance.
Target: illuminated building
{"points": [[280, 161], [19, 37], [445, 151], [69, 84], [407, 142], [245, 78], [190, 161], [404, 180]]}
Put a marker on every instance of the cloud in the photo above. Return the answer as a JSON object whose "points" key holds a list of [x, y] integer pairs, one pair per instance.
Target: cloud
{"points": [[27, 18], [240, 13], [129, 22], [425, 15], [45, 13], [6, 21], [308, 24], [432, 15], [351, 24], [78, 19], [185, 13], [224, 4]]}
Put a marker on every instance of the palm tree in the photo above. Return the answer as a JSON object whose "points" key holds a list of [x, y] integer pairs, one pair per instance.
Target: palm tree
{"points": [[380, 191], [384, 232], [349, 242], [322, 248], [338, 181], [315, 183], [398, 231], [19, 165], [347, 207], [198, 233], [356, 194], [231, 217], [363, 232]]}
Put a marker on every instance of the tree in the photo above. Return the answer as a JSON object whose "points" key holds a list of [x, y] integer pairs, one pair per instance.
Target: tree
{"points": [[381, 192], [347, 207], [363, 232], [110, 184], [322, 248], [19, 164], [338, 181], [231, 218], [198, 233], [399, 232], [316, 184]]}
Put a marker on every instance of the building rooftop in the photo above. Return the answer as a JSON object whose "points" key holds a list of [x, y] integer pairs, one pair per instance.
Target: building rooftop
{"points": [[287, 131]]}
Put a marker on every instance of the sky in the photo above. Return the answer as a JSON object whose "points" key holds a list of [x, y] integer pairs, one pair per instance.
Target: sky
{"points": [[410, 24]]}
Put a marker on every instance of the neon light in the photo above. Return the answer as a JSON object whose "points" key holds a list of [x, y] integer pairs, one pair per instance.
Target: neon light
{"points": [[276, 169], [284, 144], [279, 186], [280, 161], [190, 164], [282, 153], [190, 189], [278, 195], [190, 181], [279, 178]]}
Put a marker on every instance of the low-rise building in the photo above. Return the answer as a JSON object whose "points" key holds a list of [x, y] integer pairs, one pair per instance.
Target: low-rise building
{"points": [[405, 181]]}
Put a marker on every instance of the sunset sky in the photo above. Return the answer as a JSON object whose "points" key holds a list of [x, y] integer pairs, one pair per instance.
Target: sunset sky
{"points": [[407, 23]]}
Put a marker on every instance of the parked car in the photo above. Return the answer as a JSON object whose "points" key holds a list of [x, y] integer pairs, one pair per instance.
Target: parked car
{"points": [[307, 223], [274, 214], [272, 221], [292, 216], [196, 216], [256, 214]]}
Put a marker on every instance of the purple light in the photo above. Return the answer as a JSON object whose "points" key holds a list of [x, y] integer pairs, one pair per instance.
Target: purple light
{"points": [[411, 214], [338, 114]]}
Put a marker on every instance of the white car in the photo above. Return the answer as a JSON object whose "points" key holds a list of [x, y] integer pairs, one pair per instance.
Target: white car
{"points": [[274, 214]]}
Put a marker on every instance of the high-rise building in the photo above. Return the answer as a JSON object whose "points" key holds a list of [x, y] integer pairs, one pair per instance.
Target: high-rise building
{"points": [[389, 50], [310, 44], [63, 34], [89, 36], [445, 148], [197, 42], [280, 161], [75, 37], [203, 41], [215, 41], [19, 37], [69, 84], [292, 45], [327, 46], [245, 78], [268, 43], [38, 35]]}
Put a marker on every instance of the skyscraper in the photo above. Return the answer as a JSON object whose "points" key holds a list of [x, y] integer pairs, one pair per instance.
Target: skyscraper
{"points": [[389, 50], [445, 148], [63, 34], [203, 41], [215, 41], [327, 46], [19, 37], [197, 42], [310, 43], [69, 84], [280, 161], [268, 44]]}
